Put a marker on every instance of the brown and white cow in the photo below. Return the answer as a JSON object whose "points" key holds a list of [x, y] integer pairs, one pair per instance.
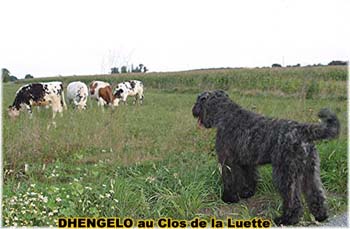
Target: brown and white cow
{"points": [[38, 94], [102, 92]]}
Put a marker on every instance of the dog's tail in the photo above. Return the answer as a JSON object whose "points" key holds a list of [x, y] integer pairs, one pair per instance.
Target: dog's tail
{"points": [[328, 128]]}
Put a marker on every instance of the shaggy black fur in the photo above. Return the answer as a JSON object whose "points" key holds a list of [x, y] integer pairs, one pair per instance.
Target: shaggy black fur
{"points": [[245, 140]]}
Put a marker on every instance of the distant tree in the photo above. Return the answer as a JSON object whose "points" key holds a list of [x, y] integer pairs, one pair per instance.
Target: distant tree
{"points": [[124, 69], [276, 65], [5, 75], [145, 69], [13, 78], [338, 62], [141, 67], [294, 66], [114, 70], [137, 69], [28, 76]]}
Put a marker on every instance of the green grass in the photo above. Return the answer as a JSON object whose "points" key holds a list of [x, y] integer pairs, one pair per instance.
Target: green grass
{"points": [[151, 161]]}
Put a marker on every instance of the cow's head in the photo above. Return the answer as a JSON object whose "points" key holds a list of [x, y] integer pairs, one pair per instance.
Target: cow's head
{"points": [[13, 112], [118, 93], [92, 87], [116, 101]]}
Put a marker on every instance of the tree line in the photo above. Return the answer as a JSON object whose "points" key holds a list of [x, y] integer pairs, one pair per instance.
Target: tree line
{"points": [[125, 69], [8, 77], [332, 63]]}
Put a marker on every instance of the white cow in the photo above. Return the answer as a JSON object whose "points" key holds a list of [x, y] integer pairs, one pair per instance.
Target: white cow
{"points": [[129, 88], [77, 92], [38, 94]]}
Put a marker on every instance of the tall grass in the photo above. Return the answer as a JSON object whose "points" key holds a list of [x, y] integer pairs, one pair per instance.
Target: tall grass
{"points": [[318, 82]]}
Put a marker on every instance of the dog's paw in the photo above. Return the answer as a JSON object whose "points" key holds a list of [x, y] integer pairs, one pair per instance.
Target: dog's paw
{"points": [[230, 198], [321, 217], [246, 193], [282, 220]]}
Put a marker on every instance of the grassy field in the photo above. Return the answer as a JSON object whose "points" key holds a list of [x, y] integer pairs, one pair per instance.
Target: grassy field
{"points": [[152, 161]]}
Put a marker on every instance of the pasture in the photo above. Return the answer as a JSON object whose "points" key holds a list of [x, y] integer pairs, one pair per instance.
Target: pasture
{"points": [[152, 161]]}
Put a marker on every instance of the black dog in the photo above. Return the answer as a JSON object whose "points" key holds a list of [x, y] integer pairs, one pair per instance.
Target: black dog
{"points": [[245, 140]]}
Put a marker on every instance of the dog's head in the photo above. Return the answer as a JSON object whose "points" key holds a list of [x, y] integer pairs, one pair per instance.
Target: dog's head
{"points": [[206, 107]]}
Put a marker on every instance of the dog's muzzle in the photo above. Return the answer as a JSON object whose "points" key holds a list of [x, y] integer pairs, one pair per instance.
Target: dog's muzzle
{"points": [[196, 113]]}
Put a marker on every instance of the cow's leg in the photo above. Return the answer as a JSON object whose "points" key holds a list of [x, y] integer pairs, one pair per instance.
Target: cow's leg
{"points": [[57, 107], [116, 102], [63, 101], [141, 98], [76, 104], [29, 110], [60, 110], [124, 100], [53, 118], [101, 103]]}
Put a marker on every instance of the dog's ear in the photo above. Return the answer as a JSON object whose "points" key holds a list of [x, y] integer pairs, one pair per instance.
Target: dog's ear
{"points": [[221, 93], [203, 96]]}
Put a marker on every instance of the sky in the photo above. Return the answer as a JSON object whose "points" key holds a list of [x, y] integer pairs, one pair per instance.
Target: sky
{"points": [[51, 38]]}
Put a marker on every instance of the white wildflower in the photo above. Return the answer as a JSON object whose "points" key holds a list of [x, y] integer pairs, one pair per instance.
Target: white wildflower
{"points": [[88, 188]]}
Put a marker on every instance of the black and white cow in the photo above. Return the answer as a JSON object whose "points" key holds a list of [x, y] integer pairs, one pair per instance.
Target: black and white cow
{"points": [[38, 94], [129, 88], [77, 92]]}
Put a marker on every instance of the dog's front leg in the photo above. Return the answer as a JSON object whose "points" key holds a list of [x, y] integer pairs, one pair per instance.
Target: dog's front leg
{"points": [[233, 183]]}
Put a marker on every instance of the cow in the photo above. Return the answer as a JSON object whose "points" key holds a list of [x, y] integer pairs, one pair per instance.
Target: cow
{"points": [[129, 88], [102, 92], [77, 92], [39, 94]]}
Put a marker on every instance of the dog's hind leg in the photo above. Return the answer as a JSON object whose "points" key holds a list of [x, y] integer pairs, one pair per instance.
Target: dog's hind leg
{"points": [[288, 182], [312, 185]]}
